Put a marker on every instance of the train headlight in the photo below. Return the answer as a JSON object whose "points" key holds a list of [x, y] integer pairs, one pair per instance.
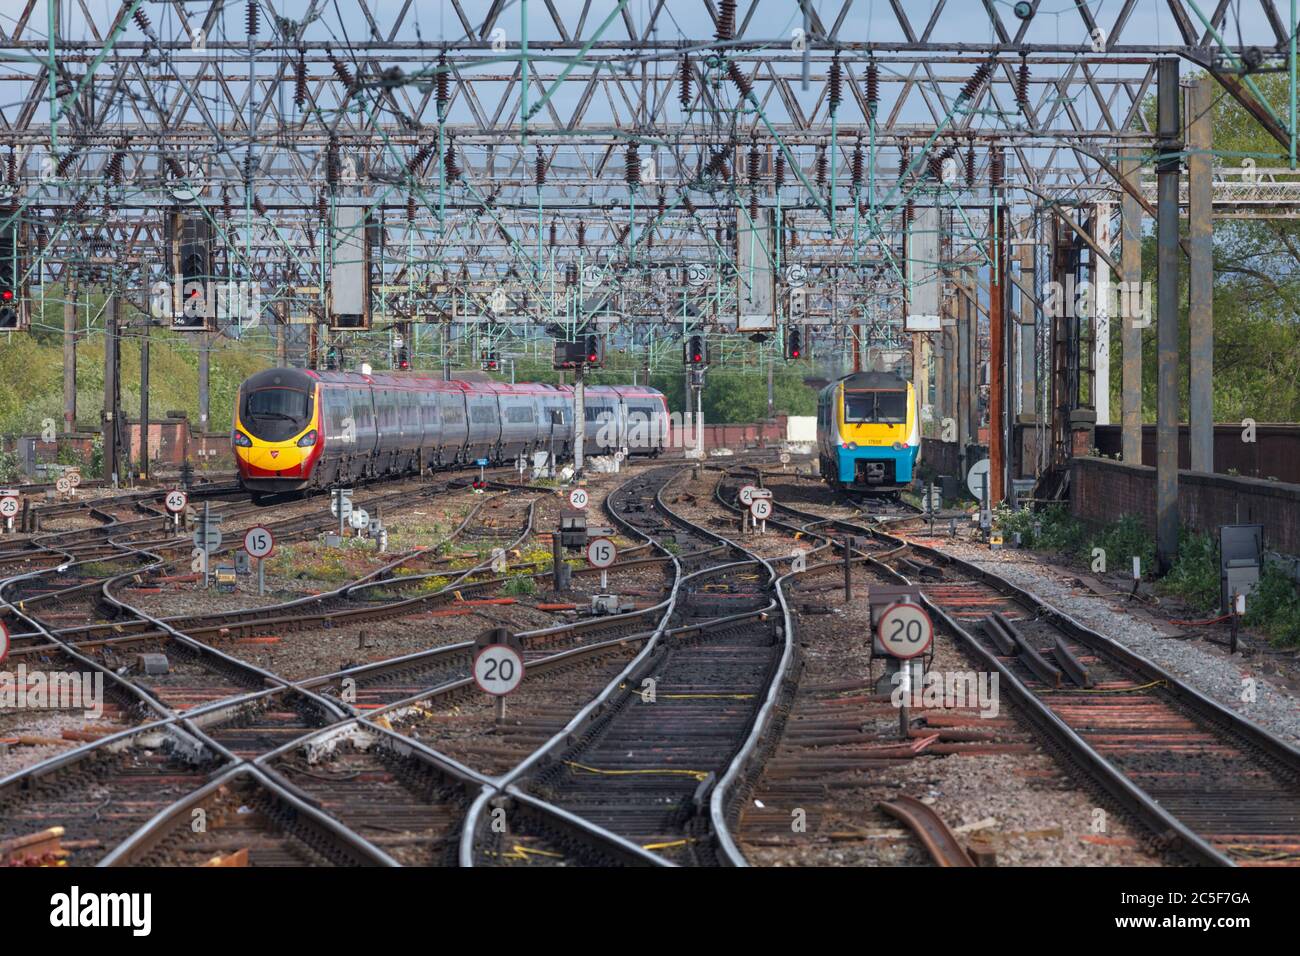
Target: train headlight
{"points": [[899, 446], [853, 446], [307, 440], [242, 440]]}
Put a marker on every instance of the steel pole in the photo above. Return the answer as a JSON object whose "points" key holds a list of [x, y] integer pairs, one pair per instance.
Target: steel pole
{"points": [[1168, 261]]}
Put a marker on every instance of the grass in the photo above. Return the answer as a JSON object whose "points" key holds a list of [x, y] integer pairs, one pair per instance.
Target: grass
{"points": [[519, 587]]}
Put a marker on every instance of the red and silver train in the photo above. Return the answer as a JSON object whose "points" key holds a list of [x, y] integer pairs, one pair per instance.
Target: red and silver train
{"points": [[297, 429]]}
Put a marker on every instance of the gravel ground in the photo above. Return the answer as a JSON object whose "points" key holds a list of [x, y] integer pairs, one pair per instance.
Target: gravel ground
{"points": [[45, 724], [1022, 804], [1206, 667]]}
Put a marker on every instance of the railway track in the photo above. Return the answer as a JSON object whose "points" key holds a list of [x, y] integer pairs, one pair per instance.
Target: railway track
{"points": [[1207, 784], [653, 757]]}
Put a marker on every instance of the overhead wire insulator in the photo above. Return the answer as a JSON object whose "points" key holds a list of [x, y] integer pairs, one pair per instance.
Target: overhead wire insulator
{"points": [[909, 213], [822, 166], [1022, 86], [142, 21], [997, 167], [859, 164], [113, 168], [250, 167], [300, 79], [753, 205], [778, 169], [442, 85], [755, 161], [553, 238], [835, 84], [970, 165], [65, 163], [973, 85], [341, 71], [251, 20], [904, 160], [539, 169], [661, 203], [333, 167], [258, 206], [450, 165], [688, 204], [12, 170], [418, 161], [410, 208], [684, 82], [582, 234], [872, 88], [740, 81], [632, 165], [726, 27], [571, 274], [227, 207]]}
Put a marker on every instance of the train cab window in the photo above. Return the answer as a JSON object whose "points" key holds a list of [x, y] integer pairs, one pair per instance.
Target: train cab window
{"points": [[276, 413], [875, 407]]}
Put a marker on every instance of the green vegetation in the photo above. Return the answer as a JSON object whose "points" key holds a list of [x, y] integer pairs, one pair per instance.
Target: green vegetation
{"points": [[31, 366], [1274, 610], [1256, 288], [519, 586]]}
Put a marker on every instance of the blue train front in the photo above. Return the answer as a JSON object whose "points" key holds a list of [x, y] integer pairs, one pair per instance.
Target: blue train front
{"points": [[868, 432]]}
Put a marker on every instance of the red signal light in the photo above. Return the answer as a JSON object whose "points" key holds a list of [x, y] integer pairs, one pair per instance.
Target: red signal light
{"points": [[7, 295], [794, 352]]}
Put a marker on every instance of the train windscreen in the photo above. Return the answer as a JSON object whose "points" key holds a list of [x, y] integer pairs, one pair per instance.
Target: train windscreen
{"points": [[276, 414], [875, 407]]}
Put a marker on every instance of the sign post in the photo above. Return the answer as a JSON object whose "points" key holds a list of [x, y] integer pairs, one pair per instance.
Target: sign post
{"points": [[259, 543], [601, 553], [905, 631], [175, 503], [760, 509], [207, 538], [498, 670], [9, 508]]}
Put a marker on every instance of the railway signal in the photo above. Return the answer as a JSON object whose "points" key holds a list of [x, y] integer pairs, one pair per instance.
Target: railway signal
{"points": [[697, 355], [11, 270], [793, 344], [489, 362], [403, 361]]}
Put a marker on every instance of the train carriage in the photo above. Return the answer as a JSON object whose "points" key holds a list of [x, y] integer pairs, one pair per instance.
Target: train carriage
{"points": [[296, 429], [868, 432]]}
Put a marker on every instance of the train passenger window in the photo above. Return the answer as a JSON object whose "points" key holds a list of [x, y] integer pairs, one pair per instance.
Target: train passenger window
{"points": [[519, 414], [597, 414], [482, 414]]}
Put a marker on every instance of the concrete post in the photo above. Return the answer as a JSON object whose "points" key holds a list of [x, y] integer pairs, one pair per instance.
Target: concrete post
{"points": [[1200, 217], [70, 351], [1132, 324], [1168, 262]]}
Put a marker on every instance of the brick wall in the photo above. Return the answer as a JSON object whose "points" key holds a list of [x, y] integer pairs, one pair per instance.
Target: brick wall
{"points": [[1275, 452], [1103, 490]]}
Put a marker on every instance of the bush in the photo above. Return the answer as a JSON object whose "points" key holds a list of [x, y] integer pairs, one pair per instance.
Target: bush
{"points": [[1057, 529], [1122, 541], [1275, 607], [1195, 575], [520, 586]]}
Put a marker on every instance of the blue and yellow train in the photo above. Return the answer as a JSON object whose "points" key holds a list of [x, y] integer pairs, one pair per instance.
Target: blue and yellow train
{"points": [[868, 432]]}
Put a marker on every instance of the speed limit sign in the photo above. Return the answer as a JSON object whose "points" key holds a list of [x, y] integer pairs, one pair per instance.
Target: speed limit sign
{"points": [[176, 501], [601, 552], [746, 495], [8, 507], [259, 542], [760, 509], [905, 630], [498, 669], [62, 485], [579, 498], [4, 641], [74, 478]]}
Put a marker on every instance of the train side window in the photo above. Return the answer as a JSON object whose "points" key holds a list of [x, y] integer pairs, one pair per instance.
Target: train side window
{"points": [[519, 414]]}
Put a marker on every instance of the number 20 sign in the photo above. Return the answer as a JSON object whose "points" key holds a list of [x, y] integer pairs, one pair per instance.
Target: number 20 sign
{"points": [[905, 630]]}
